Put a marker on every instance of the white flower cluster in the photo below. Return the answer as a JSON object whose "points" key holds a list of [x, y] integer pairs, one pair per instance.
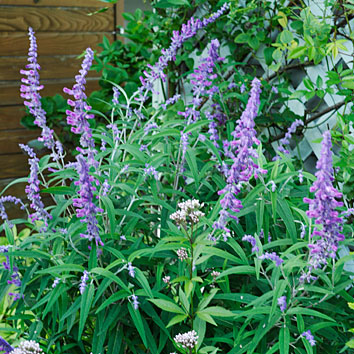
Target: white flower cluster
{"points": [[182, 254], [27, 347], [215, 274], [187, 340], [188, 209]]}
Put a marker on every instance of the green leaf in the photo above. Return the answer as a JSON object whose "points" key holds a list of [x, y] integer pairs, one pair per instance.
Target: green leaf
{"points": [[286, 37], [168, 306], [268, 55], [121, 294], [217, 311], [238, 270], [206, 317], [107, 274], [138, 322], [109, 207], [192, 163], [285, 213], [85, 307], [62, 268], [176, 319], [284, 340], [309, 312], [242, 38], [60, 190]]}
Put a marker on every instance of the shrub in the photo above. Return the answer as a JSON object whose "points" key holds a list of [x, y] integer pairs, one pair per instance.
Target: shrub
{"points": [[177, 233]]}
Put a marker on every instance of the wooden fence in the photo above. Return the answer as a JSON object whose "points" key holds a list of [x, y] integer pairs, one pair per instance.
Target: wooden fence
{"points": [[63, 29]]}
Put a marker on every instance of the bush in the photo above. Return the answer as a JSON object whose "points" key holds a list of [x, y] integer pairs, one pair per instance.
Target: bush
{"points": [[177, 234]]}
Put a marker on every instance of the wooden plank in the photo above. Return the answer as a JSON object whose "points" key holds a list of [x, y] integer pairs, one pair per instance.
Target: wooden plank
{"points": [[9, 140], [119, 9], [10, 95], [69, 3], [10, 117], [16, 43], [46, 19], [52, 67], [14, 166]]}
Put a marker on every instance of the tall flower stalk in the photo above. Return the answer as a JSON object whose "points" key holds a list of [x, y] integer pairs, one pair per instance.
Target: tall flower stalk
{"points": [[328, 230], [156, 72], [30, 92], [243, 154]]}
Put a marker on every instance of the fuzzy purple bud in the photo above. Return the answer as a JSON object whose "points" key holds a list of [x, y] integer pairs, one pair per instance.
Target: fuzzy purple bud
{"points": [[282, 303], [273, 257], [252, 241], [308, 335], [322, 208], [83, 281]]}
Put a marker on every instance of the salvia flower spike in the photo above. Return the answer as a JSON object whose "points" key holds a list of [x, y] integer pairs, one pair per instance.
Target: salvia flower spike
{"points": [[322, 208]]}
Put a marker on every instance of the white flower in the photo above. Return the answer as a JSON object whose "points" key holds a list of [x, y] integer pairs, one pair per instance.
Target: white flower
{"points": [[187, 340]]}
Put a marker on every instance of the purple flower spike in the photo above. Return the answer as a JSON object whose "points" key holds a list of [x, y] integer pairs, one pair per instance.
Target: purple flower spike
{"points": [[135, 301], [32, 189], [308, 335], [85, 207], [78, 118], [30, 92], [9, 199], [272, 257], [131, 270], [323, 209], [150, 171], [252, 241], [286, 139], [83, 281], [5, 346], [282, 303], [242, 152], [156, 72]]}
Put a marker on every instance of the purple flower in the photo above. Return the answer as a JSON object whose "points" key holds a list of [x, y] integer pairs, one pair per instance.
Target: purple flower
{"points": [[150, 171], [156, 72], [55, 282], [30, 92], [106, 187], [242, 88], [32, 189], [148, 127], [273, 186], [83, 281], [143, 147], [131, 269], [322, 208], [303, 230], [85, 207], [5, 346], [78, 118], [231, 86], [214, 136], [116, 94], [115, 131], [301, 176], [286, 139], [9, 199], [273, 257], [203, 76], [15, 276], [252, 241], [282, 303], [135, 301], [308, 335], [241, 151], [171, 100], [274, 89]]}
